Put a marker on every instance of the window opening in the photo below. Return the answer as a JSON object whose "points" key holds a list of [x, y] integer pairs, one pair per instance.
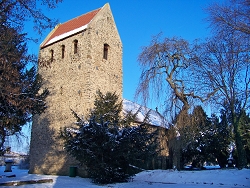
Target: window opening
{"points": [[105, 51], [51, 55], [75, 46], [63, 51]]}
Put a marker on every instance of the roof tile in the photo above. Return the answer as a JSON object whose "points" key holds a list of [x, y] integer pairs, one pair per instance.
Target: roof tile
{"points": [[70, 26]]}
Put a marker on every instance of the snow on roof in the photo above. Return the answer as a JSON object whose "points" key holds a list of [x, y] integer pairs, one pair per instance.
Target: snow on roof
{"points": [[69, 28], [155, 118]]}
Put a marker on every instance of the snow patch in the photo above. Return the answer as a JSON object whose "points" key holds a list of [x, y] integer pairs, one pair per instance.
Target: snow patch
{"points": [[146, 179], [155, 118]]}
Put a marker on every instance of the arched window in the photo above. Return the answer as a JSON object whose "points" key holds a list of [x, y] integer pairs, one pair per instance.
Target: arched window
{"points": [[63, 51], [51, 55], [105, 51], [75, 46]]}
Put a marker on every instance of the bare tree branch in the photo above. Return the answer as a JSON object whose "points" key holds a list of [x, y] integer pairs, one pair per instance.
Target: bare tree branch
{"points": [[235, 15]]}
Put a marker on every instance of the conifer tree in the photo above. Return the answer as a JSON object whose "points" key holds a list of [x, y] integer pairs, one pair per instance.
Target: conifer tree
{"points": [[107, 107], [19, 87], [20, 94], [206, 139], [106, 147], [244, 130]]}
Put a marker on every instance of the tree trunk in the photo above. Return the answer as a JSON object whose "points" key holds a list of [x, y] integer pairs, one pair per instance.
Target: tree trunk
{"points": [[182, 121]]}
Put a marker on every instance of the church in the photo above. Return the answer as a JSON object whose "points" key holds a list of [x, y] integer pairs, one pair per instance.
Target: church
{"points": [[76, 59]]}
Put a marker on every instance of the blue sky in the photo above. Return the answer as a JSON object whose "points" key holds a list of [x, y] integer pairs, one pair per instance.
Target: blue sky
{"points": [[137, 21]]}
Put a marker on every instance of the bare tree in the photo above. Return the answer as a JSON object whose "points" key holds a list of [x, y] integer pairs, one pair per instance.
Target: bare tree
{"points": [[233, 15], [180, 73], [168, 74], [224, 61], [17, 12]]}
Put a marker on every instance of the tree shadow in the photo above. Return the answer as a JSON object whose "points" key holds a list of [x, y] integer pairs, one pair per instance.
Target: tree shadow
{"points": [[47, 153]]}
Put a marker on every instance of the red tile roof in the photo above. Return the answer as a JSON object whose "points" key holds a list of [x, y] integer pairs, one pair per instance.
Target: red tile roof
{"points": [[70, 25]]}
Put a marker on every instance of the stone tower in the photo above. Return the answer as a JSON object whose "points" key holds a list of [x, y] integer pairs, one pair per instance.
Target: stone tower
{"points": [[76, 59]]}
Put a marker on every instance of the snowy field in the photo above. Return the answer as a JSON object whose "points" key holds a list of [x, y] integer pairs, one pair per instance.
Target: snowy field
{"points": [[147, 179]]}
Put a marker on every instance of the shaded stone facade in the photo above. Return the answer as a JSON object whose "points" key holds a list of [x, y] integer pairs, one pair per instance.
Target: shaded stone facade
{"points": [[73, 69]]}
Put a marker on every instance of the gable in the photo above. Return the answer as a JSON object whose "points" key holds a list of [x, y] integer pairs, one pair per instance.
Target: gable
{"points": [[69, 28]]}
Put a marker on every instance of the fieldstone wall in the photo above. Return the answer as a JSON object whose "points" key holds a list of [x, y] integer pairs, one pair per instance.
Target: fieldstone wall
{"points": [[72, 81]]}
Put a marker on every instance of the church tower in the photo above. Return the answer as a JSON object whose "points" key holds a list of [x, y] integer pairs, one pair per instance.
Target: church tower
{"points": [[76, 59]]}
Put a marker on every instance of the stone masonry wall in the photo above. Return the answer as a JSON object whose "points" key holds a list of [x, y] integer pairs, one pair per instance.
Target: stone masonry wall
{"points": [[72, 82]]}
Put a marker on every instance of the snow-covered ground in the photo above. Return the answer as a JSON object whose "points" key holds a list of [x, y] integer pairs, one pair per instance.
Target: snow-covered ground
{"points": [[148, 179]]}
